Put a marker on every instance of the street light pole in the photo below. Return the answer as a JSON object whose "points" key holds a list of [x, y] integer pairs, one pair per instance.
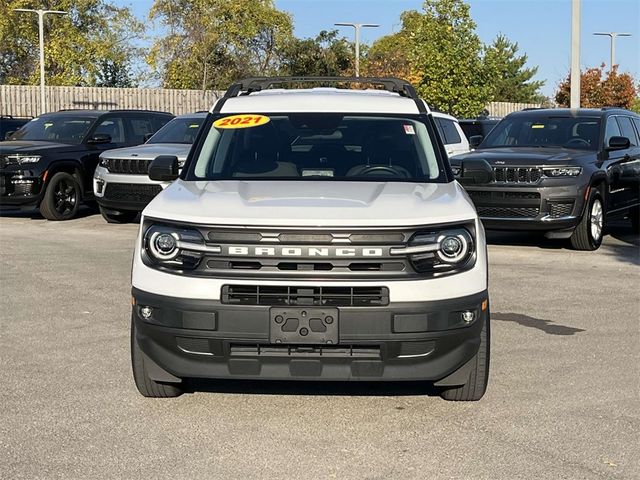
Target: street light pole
{"points": [[575, 54], [612, 36], [41, 14], [357, 27]]}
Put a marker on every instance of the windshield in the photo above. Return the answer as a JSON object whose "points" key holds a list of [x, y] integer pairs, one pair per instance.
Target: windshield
{"points": [[178, 130], [551, 131], [318, 146], [55, 128]]}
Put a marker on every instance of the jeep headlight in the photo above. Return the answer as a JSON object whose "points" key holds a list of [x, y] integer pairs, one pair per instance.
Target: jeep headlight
{"points": [[21, 159], [175, 247], [437, 251], [104, 162], [562, 171]]}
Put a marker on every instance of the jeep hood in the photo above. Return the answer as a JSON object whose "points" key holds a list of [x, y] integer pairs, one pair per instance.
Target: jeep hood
{"points": [[527, 156], [311, 203], [36, 147], [150, 151]]}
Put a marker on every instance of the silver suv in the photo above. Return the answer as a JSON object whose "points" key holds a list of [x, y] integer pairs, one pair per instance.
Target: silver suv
{"points": [[120, 182]]}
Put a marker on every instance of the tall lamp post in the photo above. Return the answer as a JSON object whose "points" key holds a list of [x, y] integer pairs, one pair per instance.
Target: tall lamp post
{"points": [[41, 13], [575, 54], [613, 36], [357, 27]]}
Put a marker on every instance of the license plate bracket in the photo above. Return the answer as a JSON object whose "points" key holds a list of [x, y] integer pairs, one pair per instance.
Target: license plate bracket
{"points": [[303, 325]]}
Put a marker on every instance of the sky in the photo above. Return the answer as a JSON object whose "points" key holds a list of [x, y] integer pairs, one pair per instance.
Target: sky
{"points": [[542, 28]]}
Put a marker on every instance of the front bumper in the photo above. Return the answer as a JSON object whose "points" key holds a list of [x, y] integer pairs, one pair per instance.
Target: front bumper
{"points": [[186, 338], [20, 188], [542, 208], [124, 192]]}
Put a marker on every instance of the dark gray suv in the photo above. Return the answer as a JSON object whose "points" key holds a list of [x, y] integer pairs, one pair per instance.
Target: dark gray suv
{"points": [[564, 172]]}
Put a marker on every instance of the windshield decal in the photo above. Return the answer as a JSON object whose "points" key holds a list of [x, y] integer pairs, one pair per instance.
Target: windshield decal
{"points": [[241, 121]]}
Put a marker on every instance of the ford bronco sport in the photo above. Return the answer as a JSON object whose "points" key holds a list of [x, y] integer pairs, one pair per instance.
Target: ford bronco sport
{"points": [[313, 234]]}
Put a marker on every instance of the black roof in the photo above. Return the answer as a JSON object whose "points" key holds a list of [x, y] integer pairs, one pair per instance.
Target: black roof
{"points": [[579, 112]]}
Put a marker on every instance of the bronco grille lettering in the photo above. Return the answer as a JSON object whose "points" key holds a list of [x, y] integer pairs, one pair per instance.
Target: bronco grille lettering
{"points": [[302, 251]]}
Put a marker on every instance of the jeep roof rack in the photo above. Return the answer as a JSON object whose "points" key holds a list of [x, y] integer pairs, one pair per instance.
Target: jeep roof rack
{"points": [[256, 84]]}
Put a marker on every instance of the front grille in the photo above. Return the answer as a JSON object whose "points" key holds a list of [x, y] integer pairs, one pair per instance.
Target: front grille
{"points": [[131, 192], [305, 351], [128, 165], [305, 296], [488, 195], [517, 174], [508, 212], [560, 209]]}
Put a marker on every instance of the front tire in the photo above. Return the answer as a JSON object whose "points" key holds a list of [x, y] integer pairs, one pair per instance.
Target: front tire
{"points": [[61, 198], [147, 386], [476, 385], [589, 232], [120, 217]]}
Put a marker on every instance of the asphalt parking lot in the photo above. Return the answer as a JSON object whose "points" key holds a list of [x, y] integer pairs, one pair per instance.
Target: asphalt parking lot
{"points": [[563, 399]]}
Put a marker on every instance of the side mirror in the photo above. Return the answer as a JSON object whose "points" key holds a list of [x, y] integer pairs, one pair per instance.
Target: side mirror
{"points": [[147, 136], [475, 172], [475, 140], [618, 143], [99, 138], [8, 134], [164, 168]]}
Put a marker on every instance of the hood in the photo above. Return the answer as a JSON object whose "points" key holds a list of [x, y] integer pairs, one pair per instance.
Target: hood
{"points": [[150, 151], [527, 156], [312, 203], [31, 146]]}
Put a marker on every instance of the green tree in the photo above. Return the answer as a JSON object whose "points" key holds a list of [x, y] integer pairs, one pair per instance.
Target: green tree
{"points": [[210, 43], [389, 56], [326, 54], [446, 54], [512, 81], [93, 43]]}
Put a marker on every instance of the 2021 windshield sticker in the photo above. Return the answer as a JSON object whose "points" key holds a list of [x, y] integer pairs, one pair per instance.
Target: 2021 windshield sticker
{"points": [[241, 121]]}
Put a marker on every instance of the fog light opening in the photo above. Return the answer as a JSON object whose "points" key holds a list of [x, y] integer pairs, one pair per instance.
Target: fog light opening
{"points": [[468, 316], [146, 312]]}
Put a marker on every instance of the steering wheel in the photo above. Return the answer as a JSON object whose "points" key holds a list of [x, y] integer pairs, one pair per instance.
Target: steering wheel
{"points": [[577, 142], [381, 168]]}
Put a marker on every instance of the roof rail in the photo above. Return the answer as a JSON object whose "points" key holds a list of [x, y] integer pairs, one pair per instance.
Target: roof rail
{"points": [[532, 108], [256, 84]]}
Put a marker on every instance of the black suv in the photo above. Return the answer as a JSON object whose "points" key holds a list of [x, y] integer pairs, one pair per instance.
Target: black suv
{"points": [[49, 162], [561, 171], [9, 124], [473, 127]]}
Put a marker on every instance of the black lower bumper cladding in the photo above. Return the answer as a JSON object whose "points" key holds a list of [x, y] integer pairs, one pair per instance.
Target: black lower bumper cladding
{"points": [[402, 341]]}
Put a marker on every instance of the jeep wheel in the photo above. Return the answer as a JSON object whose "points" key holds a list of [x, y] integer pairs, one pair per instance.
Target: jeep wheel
{"points": [[476, 385], [588, 234], [118, 217], [61, 198], [146, 386]]}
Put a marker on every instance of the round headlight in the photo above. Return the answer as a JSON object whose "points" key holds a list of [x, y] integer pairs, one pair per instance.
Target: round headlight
{"points": [[163, 245], [453, 248]]}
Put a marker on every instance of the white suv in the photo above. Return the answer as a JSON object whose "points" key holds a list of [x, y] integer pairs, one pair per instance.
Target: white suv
{"points": [[121, 182], [313, 234], [451, 134]]}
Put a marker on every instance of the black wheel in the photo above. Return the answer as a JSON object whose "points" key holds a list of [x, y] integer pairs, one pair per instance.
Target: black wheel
{"points": [[118, 217], [634, 216], [476, 385], [146, 386], [588, 234], [61, 198]]}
